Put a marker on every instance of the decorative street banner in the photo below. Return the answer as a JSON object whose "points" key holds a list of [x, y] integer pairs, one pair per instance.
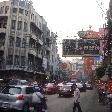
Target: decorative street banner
{"points": [[80, 47]]}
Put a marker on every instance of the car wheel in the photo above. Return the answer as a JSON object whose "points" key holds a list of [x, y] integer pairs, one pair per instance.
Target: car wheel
{"points": [[25, 108]]}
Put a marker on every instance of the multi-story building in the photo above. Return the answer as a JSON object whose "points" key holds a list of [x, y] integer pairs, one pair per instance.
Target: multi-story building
{"points": [[24, 38]]}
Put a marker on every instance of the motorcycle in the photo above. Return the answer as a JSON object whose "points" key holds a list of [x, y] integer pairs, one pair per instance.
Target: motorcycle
{"points": [[109, 96], [102, 97]]}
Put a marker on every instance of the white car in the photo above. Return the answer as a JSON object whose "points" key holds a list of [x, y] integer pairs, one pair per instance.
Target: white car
{"points": [[60, 85], [81, 87]]}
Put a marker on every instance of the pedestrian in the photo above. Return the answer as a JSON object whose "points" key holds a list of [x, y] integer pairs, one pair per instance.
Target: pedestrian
{"points": [[76, 99]]}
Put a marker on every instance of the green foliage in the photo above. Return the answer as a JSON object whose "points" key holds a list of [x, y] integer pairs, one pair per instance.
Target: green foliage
{"points": [[100, 71]]}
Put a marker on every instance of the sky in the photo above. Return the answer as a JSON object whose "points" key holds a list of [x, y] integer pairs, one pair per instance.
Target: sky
{"points": [[67, 17]]}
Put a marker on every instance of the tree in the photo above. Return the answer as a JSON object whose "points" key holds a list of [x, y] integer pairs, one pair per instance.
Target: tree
{"points": [[100, 71]]}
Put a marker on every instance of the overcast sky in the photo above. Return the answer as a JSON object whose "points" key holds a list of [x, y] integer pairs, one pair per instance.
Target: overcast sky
{"points": [[69, 16]]}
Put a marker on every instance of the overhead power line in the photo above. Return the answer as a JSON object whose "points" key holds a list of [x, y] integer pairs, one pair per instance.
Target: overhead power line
{"points": [[101, 7]]}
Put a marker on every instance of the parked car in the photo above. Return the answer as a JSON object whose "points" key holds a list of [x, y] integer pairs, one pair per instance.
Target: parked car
{"points": [[51, 88], [18, 82], [66, 91], [16, 98]]}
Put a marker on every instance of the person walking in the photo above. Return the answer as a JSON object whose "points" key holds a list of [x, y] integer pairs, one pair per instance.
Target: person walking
{"points": [[76, 99]]}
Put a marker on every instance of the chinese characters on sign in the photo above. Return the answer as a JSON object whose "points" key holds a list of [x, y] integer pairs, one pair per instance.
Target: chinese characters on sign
{"points": [[81, 47], [91, 47], [72, 47]]}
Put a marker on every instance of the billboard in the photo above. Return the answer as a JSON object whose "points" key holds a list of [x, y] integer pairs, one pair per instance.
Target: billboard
{"points": [[72, 47], [80, 47], [91, 47]]}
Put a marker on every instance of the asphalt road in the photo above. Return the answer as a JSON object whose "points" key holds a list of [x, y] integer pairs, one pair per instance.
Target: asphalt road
{"points": [[89, 103]]}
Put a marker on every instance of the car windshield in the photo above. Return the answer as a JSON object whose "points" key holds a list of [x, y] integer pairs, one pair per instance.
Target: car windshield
{"points": [[16, 82], [66, 87], [13, 82], [11, 90]]}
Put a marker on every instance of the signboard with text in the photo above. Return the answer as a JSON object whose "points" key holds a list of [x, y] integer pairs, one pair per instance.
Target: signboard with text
{"points": [[73, 47], [91, 47], [80, 47]]}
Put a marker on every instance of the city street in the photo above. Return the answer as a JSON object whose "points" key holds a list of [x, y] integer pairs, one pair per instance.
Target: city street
{"points": [[89, 103]]}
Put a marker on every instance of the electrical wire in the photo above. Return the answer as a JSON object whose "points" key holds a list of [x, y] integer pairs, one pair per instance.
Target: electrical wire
{"points": [[101, 8]]}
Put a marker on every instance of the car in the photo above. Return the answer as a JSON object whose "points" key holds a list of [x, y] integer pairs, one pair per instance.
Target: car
{"points": [[66, 91], [18, 82], [81, 86], [51, 88], [89, 85], [60, 85], [69, 83], [17, 98]]}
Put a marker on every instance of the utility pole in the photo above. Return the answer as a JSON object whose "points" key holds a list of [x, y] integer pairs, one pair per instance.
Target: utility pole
{"points": [[109, 40]]}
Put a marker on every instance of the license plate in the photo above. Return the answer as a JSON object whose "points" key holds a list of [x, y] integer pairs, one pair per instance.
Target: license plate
{"points": [[6, 105]]}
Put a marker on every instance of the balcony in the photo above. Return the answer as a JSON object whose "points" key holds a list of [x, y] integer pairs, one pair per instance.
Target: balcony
{"points": [[32, 51], [39, 56], [39, 41], [2, 30], [2, 48], [33, 37], [48, 48]]}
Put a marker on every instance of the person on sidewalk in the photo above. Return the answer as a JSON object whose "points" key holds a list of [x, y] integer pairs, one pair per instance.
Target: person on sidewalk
{"points": [[76, 99]]}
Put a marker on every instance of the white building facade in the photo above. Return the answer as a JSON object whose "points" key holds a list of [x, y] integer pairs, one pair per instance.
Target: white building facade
{"points": [[25, 40]]}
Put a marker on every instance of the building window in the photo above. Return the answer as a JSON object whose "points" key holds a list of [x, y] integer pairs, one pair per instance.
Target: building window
{"points": [[14, 10], [10, 60], [39, 25], [15, 2], [21, 11], [24, 43], [25, 26], [31, 16], [13, 24], [22, 60], [6, 9], [11, 41], [52, 59], [18, 42], [1, 10], [26, 12], [16, 60], [19, 25]]}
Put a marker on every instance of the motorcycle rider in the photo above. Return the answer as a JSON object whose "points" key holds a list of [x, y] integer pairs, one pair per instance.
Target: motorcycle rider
{"points": [[41, 105]]}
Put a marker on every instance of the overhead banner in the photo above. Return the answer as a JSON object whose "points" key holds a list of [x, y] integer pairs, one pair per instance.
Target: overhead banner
{"points": [[80, 47], [91, 47]]}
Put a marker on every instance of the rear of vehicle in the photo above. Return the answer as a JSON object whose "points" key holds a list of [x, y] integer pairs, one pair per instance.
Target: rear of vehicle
{"points": [[65, 91], [59, 86], [81, 87], [16, 98], [89, 86], [51, 88]]}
